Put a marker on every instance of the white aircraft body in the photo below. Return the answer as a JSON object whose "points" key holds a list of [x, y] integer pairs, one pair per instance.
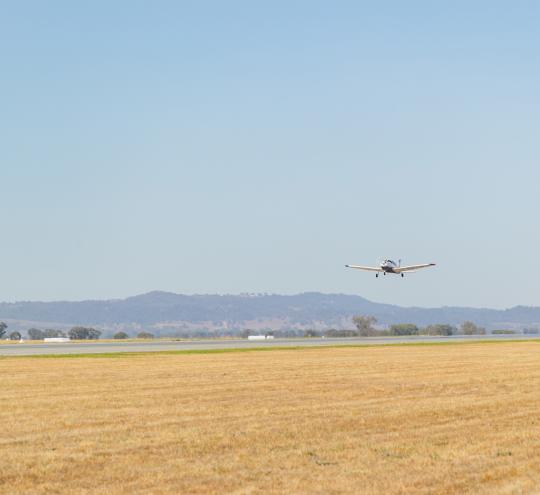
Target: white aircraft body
{"points": [[389, 266]]}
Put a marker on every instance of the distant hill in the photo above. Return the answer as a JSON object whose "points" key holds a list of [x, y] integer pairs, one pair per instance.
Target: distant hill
{"points": [[164, 310]]}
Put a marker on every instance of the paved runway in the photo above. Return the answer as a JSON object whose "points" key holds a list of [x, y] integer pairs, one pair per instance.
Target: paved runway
{"points": [[24, 349]]}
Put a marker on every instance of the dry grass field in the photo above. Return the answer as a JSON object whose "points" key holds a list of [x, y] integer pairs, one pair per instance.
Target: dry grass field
{"points": [[404, 419]]}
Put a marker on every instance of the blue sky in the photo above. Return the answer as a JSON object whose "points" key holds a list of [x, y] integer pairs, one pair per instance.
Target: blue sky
{"points": [[225, 147]]}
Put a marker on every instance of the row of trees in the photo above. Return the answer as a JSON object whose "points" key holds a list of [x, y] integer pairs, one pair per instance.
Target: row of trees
{"points": [[80, 333], [365, 326], [12, 336], [140, 335], [76, 333]]}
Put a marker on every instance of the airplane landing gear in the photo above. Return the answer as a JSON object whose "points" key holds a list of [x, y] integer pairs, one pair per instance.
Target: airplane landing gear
{"points": [[376, 275], [402, 275]]}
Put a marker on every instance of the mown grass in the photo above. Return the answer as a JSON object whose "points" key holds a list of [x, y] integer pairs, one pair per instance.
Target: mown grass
{"points": [[379, 419]]}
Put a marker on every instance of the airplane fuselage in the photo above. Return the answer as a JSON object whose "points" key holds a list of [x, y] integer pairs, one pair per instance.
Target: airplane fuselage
{"points": [[387, 266]]}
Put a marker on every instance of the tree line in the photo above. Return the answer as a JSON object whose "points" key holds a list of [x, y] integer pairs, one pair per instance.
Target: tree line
{"points": [[75, 333], [365, 327], [81, 333], [12, 336]]}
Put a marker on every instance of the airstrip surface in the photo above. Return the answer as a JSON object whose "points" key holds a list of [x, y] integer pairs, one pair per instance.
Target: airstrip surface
{"points": [[96, 347]]}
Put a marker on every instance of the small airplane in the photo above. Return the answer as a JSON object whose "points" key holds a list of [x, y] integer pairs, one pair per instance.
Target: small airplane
{"points": [[389, 266]]}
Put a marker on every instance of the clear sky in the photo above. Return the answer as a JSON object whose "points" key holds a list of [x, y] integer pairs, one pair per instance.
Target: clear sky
{"points": [[240, 146]]}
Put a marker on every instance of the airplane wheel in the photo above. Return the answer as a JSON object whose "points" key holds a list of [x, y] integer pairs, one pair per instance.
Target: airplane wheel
{"points": [[402, 275], [376, 275]]}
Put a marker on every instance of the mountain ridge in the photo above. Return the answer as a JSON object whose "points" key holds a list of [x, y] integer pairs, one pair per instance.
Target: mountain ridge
{"points": [[237, 311]]}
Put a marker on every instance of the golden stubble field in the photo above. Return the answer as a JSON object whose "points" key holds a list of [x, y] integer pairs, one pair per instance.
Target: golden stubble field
{"points": [[415, 419]]}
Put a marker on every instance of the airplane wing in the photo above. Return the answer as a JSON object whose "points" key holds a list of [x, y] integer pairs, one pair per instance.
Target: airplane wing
{"points": [[409, 268], [367, 268]]}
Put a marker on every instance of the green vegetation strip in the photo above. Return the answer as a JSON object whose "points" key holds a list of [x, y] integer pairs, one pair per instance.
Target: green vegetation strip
{"points": [[124, 354]]}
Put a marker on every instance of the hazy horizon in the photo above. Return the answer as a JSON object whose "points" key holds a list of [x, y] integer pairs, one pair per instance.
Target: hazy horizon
{"points": [[241, 147]]}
